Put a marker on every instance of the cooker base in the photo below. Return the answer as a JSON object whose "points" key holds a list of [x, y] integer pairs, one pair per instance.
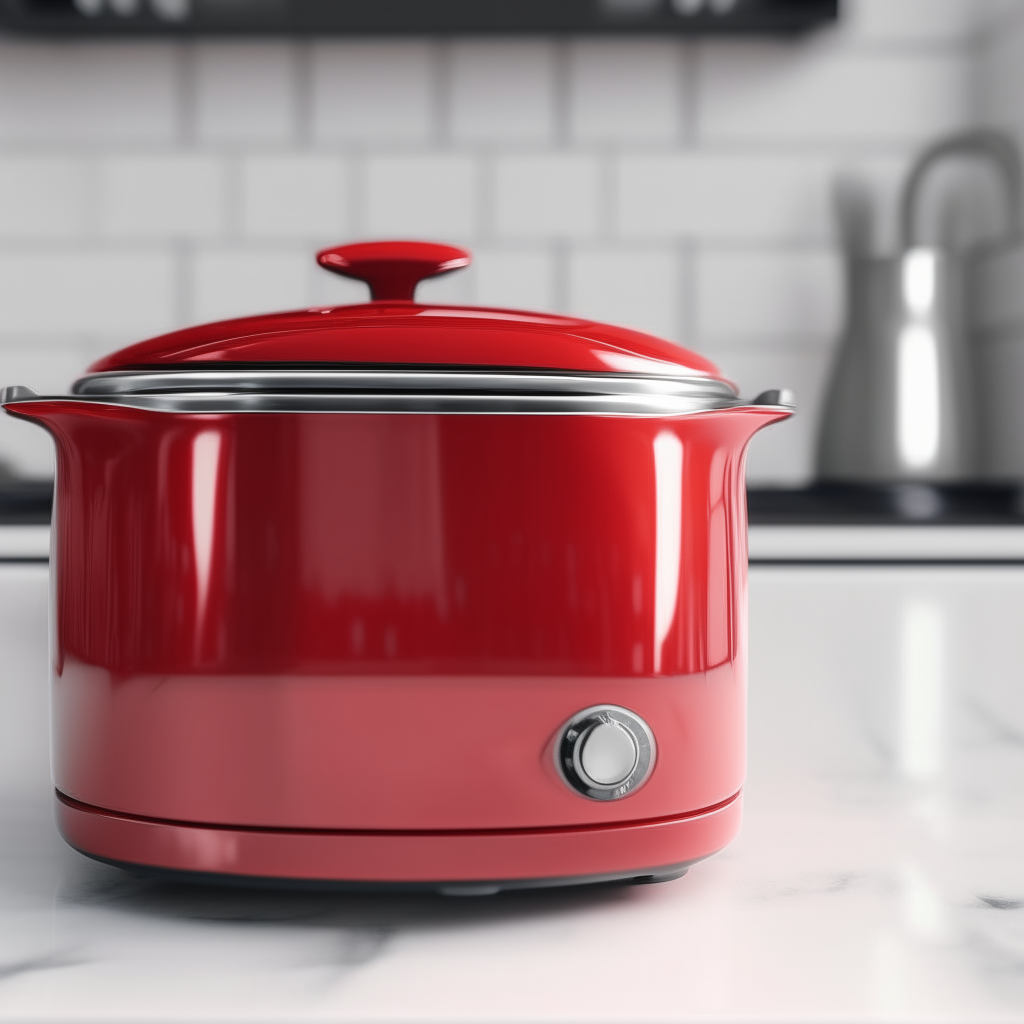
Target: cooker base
{"points": [[666, 873], [457, 863]]}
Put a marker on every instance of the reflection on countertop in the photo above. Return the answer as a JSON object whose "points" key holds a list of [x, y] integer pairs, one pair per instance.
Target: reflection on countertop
{"points": [[879, 874]]}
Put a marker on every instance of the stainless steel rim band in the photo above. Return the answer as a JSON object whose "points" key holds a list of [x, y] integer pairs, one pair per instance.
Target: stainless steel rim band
{"points": [[397, 381], [342, 391], [611, 405]]}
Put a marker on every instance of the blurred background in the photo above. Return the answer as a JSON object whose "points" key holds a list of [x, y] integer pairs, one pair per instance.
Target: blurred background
{"points": [[682, 185]]}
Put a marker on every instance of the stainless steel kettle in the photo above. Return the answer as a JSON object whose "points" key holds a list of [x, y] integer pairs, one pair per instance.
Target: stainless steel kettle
{"points": [[902, 404]]}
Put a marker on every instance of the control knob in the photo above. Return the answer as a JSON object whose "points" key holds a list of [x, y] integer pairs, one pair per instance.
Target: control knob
{"points": [[605, 752]]}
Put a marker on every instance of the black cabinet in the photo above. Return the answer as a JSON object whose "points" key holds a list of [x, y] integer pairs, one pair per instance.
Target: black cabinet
{"points": [[414, 17]]}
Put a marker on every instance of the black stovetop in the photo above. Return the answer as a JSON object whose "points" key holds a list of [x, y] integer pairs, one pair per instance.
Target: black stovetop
{"points": [[25, 502], [857, 504]]}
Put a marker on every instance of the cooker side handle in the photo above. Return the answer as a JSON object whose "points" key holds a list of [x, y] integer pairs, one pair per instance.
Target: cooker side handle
{"points": [[767, 408], [781, 398]]}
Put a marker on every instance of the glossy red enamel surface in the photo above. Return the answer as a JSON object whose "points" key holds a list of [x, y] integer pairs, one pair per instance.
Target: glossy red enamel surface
{"points": [[396, 331], [343, 645], [380, 622], [406, 334], [398, 543], [393, 269], [398, 857], [379, 752]]}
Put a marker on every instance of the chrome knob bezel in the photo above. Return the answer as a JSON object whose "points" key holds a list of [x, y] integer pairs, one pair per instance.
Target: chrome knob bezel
{"points": [[573, 734]]}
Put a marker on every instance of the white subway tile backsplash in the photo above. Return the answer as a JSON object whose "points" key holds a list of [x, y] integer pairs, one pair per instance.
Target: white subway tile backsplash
{"points": [[244, 92], [682, 187], [515, 278], [773, 92], [914, 21], [327, 289], [502, 91], [170, 196], [294, 196], [371, 91], [88, 94], [47, 364], [638, 288], [85, 290], [455, 289], [42, 197], [754, 197], [230, 282], [626, 91], [415, 195], [781, 294], [551, 195]]}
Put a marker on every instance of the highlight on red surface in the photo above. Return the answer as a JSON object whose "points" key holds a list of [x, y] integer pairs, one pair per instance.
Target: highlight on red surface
{"points": [[393, 269]]}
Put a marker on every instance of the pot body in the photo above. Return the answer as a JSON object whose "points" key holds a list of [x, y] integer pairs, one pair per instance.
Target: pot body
{"points": [[375, 625]]}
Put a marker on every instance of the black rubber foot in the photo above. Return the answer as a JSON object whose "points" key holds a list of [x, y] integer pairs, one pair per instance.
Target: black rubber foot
{"points": [[660, 876], [449, 888]]}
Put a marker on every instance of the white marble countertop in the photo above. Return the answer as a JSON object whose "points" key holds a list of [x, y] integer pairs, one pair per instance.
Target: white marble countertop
{"points": [[907, 542], [879, 875]]}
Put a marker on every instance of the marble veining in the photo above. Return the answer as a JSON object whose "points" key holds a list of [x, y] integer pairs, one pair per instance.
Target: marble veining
{"points": [[879, 875]]}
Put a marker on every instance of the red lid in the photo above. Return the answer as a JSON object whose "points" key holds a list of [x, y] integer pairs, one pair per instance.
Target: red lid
{"points": [[394, 330]]}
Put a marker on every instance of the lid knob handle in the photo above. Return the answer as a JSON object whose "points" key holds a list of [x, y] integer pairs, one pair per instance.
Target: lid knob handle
{"points": [[393, 269]]}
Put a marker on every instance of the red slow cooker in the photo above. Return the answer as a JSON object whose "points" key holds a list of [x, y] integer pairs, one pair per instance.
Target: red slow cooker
{"points": [[400, 594]]}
